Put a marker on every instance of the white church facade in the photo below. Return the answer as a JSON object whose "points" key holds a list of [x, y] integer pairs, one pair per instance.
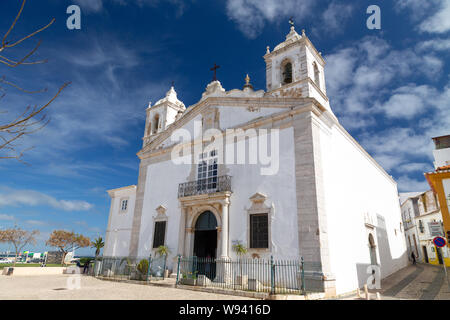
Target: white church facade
{"points": [[327, 200]]}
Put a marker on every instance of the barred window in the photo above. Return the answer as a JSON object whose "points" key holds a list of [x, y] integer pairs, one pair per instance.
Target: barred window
{"points": [[160, 233], [124, 205], [259, 231]]}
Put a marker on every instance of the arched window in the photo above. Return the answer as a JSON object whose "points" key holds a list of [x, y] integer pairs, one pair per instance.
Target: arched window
{"points": [[155, 123], [316, 74], [287, 73], [373, 250], [149, 129]]}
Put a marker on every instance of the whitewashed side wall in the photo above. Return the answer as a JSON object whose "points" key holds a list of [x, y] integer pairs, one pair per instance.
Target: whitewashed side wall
{"points": [[280, 191], [118, 234], [354, 186], [161, 189]]}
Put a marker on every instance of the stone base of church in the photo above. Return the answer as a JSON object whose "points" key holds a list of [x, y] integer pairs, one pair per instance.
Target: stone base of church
{"points": [[318, 282]]}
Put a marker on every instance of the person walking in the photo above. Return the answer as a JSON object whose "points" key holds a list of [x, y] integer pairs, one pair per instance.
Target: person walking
{"points": [[86, 266], [413, 257]]}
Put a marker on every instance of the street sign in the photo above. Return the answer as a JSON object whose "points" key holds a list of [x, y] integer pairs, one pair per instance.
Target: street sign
{"points": [[439, 242], [435, 229]]}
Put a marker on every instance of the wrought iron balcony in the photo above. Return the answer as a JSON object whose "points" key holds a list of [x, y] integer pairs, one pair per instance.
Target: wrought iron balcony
{"points": [[204, 186]]}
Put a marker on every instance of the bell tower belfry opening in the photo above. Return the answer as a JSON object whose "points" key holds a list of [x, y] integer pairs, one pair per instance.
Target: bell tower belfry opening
{"points": [[295, 68], [165, 112]]}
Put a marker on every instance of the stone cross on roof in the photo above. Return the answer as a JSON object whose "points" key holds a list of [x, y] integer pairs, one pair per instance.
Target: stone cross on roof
{"points": [[215, 69]]}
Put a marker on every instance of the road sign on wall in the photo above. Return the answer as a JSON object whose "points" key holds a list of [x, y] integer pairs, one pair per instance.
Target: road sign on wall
{"points": [[435, 229], [439, 242]]}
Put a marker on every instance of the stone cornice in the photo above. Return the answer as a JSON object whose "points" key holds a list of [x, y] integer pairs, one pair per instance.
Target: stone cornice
{"points": [[113, 191], [308, 42], [293, 84], [308, 105], [264, 102]]}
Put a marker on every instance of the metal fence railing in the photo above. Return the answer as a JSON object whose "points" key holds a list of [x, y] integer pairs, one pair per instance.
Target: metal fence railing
{"points": [[126, 268], [257, 275]]}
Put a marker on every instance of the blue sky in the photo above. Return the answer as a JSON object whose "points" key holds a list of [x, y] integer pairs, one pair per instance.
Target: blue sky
{"points": [[390, 88]]}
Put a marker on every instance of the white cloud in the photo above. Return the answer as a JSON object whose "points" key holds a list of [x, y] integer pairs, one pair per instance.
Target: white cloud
{"points": [[358, 76], [95, 6], [12, 197], [407, 184], [440, 21], [373, 83], [90, 5], [252, 15], [35, 222], [409, 101], [435, 44], [432, 16], [335, 16], [5, 217]]}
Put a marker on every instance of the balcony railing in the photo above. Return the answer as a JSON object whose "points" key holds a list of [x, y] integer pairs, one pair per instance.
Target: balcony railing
{"points": [[204, 186]]}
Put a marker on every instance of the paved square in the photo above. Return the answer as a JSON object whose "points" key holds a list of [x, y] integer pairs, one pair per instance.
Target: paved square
{"points": [[55, 288]]}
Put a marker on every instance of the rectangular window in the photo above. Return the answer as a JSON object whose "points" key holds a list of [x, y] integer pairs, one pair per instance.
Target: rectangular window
{"points": [[160, 233], [259, 231], [124, 205], [207, 171], [421, 228]]}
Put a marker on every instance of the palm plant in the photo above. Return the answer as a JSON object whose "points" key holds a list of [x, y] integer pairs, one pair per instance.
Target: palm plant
{"points": [[241, 251], [98, 244]]}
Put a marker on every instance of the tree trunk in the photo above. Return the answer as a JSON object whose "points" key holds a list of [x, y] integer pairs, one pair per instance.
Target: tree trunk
{"points": [[63, 257]]}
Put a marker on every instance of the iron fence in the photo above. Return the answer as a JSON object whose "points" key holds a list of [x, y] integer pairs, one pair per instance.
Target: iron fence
{"points": [[127, 268], [257, 275]]}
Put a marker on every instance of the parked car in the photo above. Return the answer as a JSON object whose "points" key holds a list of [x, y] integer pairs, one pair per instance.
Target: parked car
{"points": [[6, 260]]}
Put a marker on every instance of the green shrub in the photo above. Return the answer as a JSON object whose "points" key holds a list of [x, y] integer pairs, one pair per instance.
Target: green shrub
{"points": [[143, 266], [85, 260]]}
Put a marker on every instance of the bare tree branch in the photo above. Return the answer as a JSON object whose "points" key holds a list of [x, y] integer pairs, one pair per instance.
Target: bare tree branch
{"points": [[32, 119]]}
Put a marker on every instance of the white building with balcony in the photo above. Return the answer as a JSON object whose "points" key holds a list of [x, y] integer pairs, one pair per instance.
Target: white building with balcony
{"points": [[320, 196]]}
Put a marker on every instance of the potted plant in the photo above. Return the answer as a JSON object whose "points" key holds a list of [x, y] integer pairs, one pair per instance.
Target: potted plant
{"points": [[241, 251], [189, 279], [142, 268]]}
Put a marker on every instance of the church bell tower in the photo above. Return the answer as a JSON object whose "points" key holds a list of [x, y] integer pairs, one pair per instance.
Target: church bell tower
{"points": [[296, 69], [165, 112]]}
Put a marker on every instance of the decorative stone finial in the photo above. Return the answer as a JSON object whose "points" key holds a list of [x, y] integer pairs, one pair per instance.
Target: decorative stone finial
{"points": [[303, 32], [268, 50], [247, 83]]}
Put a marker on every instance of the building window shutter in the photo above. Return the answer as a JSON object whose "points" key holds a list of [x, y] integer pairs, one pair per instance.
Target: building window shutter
{"points": [[259, 231], [159, 234]]}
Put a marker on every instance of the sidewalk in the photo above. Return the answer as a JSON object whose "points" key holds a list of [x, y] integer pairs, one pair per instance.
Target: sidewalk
{"points": [[415, 282]]}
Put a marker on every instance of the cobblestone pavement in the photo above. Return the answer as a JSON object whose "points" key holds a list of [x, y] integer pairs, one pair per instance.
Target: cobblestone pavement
{"points": [[55, 288], [415, 282]]}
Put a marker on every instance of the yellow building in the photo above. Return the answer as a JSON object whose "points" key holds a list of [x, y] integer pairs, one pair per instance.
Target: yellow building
{"points": [[440, 181], [429, 212]]}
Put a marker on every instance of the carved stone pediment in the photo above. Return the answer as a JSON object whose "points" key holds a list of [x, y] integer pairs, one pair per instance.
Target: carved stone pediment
{"points": [[161, 212], [258, 200]]}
